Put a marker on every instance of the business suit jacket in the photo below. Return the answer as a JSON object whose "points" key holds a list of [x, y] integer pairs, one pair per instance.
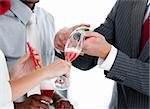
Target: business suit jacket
{"points": [[130, 70]]}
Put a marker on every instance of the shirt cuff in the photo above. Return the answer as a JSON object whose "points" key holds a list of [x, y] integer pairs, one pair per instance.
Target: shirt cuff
{"points": [[109, 61]]}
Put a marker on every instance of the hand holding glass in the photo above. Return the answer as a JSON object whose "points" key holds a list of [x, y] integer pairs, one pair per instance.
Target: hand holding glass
{"points": [[72, 50]]}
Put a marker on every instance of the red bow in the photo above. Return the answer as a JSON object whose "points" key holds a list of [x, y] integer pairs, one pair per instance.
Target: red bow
{"points": [[4, 6]]}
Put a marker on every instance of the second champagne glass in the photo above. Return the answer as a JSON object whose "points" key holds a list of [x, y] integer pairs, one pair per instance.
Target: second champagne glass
{"points": [[47, 89]]}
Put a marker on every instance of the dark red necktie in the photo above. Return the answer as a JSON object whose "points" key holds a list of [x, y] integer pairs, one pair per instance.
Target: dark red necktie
{"points": [[145, 33], [4, 6]]}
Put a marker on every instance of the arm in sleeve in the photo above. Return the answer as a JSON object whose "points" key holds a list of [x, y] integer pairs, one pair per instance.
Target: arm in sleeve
{"points": [[130, 72], [5, 88], [5, 92], [85, 62]]}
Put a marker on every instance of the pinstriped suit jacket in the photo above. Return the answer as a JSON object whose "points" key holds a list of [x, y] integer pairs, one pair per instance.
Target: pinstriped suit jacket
{"points": [[130, 70]]}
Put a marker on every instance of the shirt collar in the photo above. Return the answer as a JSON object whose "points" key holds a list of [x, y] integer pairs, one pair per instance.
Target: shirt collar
{"points": [[20, 10], [148, 2]]}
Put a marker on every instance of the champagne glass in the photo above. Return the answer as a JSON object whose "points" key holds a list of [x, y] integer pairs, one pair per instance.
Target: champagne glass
{"points": [[72, 50], [47, 89]]}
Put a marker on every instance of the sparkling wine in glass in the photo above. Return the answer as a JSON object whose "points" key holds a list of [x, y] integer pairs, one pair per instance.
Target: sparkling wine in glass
{"points": [[72, 50], [47, 88]]}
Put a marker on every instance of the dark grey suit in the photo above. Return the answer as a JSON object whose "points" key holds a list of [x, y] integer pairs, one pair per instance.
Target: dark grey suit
{"points": [[130, 70]]}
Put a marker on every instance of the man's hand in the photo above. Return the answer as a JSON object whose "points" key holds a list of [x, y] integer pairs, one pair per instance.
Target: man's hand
{"points": [[96, 45], [34, 102], [63, 104], [60, 102], [62, 36], [24, 65]]}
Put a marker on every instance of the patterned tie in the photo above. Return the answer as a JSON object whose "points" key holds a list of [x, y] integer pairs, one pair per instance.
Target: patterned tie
{"points": [[145, 33]]}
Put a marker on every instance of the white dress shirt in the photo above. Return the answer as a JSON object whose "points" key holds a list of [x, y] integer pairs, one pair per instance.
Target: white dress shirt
{"points": [[5, 88]]}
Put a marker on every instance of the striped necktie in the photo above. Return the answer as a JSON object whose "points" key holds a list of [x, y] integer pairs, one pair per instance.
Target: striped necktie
{"points": [[145, 33]]}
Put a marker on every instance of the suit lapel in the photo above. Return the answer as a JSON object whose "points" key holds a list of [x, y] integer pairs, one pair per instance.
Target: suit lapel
{"points": [[137, 17]]}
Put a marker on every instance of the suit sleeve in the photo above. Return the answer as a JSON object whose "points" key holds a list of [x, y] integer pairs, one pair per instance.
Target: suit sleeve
{"points": [[130, 72], [85, 62]]}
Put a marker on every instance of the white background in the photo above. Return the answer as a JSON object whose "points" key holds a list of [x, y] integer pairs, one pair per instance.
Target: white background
{"points": [[89, 89]]}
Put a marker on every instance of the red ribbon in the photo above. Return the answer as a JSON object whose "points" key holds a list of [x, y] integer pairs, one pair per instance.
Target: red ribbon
{"points": [[4, 6]]}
